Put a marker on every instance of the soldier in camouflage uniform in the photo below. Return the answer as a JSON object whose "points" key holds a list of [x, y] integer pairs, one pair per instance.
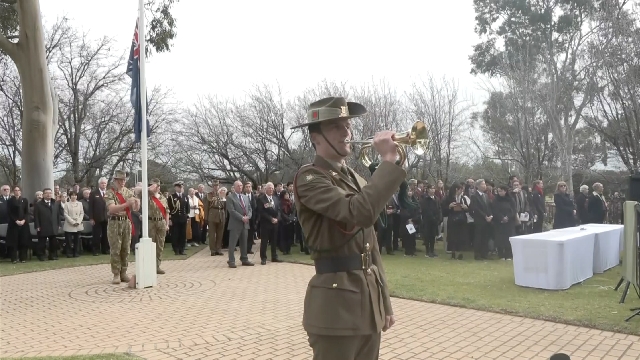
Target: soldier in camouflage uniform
{"points": [[119, 201], [215, 216], [158, 220]]}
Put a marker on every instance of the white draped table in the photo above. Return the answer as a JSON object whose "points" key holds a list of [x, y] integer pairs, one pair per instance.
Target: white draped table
{"points": [[557, 259], [608, 245], [553, 260]]}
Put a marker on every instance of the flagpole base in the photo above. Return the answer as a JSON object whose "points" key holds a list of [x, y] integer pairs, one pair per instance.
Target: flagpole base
{"points": [[146, 275]]}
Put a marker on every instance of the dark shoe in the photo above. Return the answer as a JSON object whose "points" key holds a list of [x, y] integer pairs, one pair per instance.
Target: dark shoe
{"points": [[219, 253], [22, 261], [247, 263], [41, 258], [96, 254], [213, 253], [76, 255], [262, 262], [276, 260], [69, 256], [391, 253], [232, 265], [160, 271], [16, 261], [460, 256], [250, 252]]}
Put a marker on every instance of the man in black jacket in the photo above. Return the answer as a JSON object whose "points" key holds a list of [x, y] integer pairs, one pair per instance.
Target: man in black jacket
{"points": [[537, 206], [482, 216], [98, 218], [596, 205], [47, 224], [179, 210], [431, 217], [269, 210]]}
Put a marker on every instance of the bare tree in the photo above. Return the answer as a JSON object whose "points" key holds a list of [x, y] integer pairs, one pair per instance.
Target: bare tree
{"points": [[615, 111], [21, 20], [512, 123], [88, 78], [226, 139], [440, 106]]}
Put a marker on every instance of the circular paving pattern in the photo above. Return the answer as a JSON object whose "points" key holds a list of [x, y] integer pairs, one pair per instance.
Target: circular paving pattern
{"points": [[167, 288]]}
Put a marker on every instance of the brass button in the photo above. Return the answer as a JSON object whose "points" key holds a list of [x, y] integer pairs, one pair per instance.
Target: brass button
{"points": [[368, 271], [367, 246], [335, 285]]}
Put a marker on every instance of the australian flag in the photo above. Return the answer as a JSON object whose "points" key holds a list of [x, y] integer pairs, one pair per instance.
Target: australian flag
{"points": [[133, 70]]}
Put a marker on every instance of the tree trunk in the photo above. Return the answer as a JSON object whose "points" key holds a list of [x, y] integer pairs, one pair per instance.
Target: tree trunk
{"points": [[37, 120], [566, 161]]}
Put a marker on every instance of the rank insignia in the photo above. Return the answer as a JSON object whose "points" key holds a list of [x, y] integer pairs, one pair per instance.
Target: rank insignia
{"points": [[309, 177], [333, 173]]}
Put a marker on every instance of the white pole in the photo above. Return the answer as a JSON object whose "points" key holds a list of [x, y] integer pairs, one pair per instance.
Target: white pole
{"points": [[143, 118], [146, 251]]}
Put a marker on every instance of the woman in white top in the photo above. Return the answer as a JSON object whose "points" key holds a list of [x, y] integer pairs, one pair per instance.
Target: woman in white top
{"points": [[194, 216], [73, 215]]}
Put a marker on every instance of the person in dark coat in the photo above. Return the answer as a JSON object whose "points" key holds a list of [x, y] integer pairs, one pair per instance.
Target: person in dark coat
{"points": [[455, 206], [409, 214], [18, 233], [431, 218], [480, 209], [537, 206], [581, 204], [504, 220], [286, 232], [565, 208], [596, 205], [47, 225]]}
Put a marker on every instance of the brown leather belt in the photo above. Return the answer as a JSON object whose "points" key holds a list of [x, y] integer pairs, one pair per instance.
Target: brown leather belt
{"points": [[342, 263]]}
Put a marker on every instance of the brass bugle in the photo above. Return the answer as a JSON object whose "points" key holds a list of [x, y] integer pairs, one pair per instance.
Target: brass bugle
{"points": [[417, 139]]}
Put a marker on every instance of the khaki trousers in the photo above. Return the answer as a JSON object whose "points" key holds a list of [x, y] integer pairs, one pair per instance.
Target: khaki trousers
{"points": [[215, 233], [357, 347]]}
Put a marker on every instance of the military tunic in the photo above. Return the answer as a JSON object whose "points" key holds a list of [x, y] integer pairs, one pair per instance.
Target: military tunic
{"points": [[215, 214], [337, 212], [158, 224], [119, 231]]}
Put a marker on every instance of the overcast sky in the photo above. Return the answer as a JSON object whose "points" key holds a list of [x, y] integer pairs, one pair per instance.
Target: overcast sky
{"points": [[223, 47]]}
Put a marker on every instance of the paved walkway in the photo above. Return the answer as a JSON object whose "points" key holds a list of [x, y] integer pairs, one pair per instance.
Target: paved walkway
{"points": [[203, 310]]}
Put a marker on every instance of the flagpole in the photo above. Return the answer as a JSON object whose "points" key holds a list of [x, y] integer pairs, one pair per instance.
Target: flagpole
{"points": [[143, 121]]}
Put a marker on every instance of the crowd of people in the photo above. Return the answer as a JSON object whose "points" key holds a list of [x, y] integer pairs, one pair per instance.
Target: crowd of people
{"points": [[476, 215]]}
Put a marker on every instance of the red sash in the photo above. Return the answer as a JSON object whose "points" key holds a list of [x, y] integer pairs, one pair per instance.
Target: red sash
{"points": [[163, 211], [127, 210]]}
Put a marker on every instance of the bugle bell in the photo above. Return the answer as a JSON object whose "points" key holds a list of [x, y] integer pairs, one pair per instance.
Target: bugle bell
{"points": [[416, 138]]}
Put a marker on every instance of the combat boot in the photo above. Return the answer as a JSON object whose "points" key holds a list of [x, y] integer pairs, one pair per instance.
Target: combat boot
{"points": [[124, 277], [116, 279], [160, 271]]}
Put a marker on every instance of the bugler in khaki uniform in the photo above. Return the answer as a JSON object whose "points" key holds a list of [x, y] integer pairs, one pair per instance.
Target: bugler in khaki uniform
{"points": [[347, 304], [215, 214], [158, 220], [119, 201]]}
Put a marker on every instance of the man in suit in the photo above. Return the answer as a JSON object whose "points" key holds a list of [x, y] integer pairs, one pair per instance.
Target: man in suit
{"points": [[248, 192], [239, 212], [98, 218], [179, 210], [47, 224], [4, 197], [596, 205], [269, 209], [347, 304], [482, 216]]}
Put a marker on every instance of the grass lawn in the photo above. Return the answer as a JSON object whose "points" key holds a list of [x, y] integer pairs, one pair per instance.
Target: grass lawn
{"points": [[490, 286], [7, 268], [82, 357]]}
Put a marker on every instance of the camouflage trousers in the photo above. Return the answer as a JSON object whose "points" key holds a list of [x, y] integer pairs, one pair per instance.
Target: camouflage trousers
{"points": [[119, 235], [157, 233]]}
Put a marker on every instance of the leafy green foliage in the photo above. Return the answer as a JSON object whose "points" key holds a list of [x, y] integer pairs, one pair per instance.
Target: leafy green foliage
{"points": [[162, 26], [523, 30]]}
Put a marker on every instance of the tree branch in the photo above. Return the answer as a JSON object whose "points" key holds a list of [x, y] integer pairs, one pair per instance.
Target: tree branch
{"points": [[9, 47]]}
